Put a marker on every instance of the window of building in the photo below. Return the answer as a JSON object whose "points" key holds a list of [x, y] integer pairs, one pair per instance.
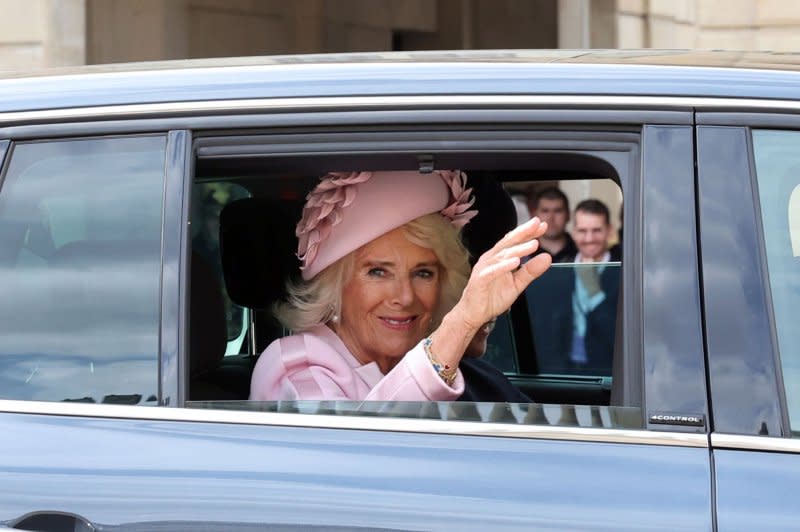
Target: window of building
{"points": [[80, 255]]}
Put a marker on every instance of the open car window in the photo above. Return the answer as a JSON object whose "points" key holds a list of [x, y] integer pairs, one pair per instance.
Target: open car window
{"points": [[531, 345]]}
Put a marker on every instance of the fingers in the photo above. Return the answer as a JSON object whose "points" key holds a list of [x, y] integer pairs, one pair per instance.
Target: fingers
{"points": [[520, 250], [508, 260], [500, 267], [531, 270], [533, 228]]}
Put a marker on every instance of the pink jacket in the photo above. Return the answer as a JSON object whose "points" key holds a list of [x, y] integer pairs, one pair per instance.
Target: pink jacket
{"points": [[316, 365]]}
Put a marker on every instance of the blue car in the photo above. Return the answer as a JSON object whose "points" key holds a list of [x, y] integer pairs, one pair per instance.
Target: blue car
{"points": [[147, 217]]}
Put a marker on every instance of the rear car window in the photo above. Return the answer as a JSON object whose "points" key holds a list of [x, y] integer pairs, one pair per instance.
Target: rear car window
{"points": [[777, 161], [80, 254]]}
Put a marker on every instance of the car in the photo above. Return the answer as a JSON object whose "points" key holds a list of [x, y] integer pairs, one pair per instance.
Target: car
{"points": [[146, 229]]}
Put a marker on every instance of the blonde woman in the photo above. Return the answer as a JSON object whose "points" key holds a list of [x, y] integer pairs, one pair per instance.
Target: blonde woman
{"points": [[387, 306]]}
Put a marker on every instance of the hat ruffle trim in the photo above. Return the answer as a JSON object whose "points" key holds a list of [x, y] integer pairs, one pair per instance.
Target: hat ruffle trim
{"points": [[336, 190]]}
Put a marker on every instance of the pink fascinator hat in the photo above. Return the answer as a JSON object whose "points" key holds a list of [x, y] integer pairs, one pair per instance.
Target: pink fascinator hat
{"points": [[348, 210]]}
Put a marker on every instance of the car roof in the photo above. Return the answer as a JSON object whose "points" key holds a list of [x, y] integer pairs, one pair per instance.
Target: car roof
{"points": [[722, 74]]}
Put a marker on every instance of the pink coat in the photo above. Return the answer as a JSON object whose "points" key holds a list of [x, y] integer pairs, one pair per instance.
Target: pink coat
{"points": [[316, 365]]}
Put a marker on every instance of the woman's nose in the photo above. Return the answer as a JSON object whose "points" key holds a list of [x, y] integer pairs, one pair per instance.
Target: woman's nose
{"points": [[403, 292]]}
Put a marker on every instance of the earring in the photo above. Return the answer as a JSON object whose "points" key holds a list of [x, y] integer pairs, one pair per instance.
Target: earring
{"points": [[335, 318]]}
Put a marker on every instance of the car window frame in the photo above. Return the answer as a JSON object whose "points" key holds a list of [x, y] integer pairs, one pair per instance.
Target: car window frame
{"points": [[50, 135], [769, 398], [218, 145], [175, 242], [534, 111]]}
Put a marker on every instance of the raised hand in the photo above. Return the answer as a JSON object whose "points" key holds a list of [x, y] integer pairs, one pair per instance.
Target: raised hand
{"points": [[497, 279], [499, 276]]}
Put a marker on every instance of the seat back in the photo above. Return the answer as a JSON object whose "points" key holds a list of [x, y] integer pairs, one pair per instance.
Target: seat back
{"points": [[208, 333], [258, 246]]}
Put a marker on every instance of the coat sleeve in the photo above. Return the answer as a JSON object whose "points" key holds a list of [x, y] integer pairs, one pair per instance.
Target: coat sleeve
{"points": [[414, 379], [296, 368], [300, 367]]}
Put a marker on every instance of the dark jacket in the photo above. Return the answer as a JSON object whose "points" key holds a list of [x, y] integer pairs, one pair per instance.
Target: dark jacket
{"points": [[567, 253], [549, 300], [483, 382]]}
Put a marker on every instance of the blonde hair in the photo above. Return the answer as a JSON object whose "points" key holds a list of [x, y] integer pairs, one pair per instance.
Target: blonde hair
{"points": [[318, 300]]}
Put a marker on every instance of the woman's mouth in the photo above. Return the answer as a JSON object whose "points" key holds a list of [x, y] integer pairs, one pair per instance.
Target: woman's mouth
{"points": [[399, 324]]}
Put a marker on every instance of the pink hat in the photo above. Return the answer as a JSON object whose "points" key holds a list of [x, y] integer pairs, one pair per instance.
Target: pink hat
{"points": [[348, 210]]}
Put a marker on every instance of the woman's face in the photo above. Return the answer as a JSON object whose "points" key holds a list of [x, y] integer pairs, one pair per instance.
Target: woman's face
{"points": [[388, 303]]}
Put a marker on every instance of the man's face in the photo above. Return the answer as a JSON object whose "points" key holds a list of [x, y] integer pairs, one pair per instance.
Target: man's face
{"points": [[590, 232], [554, 212]]}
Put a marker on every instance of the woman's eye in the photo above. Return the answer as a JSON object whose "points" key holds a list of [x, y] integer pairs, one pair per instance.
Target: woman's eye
{"points": [[376, 272], [426, 274]]}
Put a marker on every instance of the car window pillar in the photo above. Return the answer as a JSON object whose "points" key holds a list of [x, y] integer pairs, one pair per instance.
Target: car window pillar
{"points": [[173, 370]]}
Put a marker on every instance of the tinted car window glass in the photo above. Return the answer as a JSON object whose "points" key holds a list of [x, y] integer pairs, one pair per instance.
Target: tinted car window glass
{"points": [[573, 313], [589, 416], [777, 160], [500, 350], [80, 248], [571, 310]]}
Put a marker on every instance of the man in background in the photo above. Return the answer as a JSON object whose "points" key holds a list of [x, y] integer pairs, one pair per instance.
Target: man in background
{"points": [[573, 309], [552, 206], [594, 298]]}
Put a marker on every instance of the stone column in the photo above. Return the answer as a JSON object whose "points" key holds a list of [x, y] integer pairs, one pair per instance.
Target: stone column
{"points": [[308, 26], [136, 30], [42, 33], [574, 24]]}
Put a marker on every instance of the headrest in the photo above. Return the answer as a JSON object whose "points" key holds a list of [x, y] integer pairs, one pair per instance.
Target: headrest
{"points": [[258, 245], [496, 216]]}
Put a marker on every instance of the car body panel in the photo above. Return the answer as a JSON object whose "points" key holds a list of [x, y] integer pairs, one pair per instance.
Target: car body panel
{"points": [[220, 474], [392, 74], [755, 489]]}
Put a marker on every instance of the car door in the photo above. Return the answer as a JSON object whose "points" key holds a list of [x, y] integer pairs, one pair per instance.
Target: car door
{"points": [[535, 468], [107, 465], [747, 181]]}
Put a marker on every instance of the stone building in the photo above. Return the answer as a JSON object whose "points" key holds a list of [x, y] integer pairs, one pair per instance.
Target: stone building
{"points": [[44, 33], [47, 33]]}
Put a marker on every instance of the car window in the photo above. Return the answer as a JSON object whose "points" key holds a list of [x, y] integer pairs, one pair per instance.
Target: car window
{"points": [[80, 253], [569, 314], [529, 347], [573, 313], [777, 162]]}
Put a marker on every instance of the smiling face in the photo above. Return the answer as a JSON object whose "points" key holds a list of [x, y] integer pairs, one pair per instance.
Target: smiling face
{"points": [[590, 232], [388, 303]]}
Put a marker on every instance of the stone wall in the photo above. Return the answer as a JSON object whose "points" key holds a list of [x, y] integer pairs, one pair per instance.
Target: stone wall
{"points": [[44, 33], [38, 33], [709, 24]]}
